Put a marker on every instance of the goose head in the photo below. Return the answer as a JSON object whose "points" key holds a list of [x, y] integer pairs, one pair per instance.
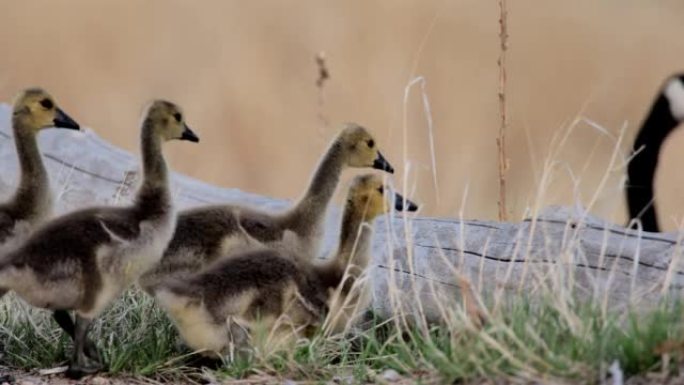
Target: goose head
{"points": [[371, 197], [167, 122], [673, 91], [360, 149], [36, 110]]}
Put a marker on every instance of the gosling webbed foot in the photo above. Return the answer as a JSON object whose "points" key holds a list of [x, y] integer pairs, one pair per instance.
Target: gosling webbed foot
{"points": [[64, 320], [83, 363], [83, 367]]}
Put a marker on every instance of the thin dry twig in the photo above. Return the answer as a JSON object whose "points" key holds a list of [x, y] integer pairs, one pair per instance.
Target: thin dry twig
{"points": [[501, 139], [323, 76]]}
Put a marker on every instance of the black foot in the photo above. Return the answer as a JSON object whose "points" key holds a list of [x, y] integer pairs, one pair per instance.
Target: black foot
{"points": [[76, 371]]}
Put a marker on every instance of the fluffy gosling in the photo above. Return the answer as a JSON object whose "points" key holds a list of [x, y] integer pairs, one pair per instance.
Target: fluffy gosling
{"points": [[273, 290], [203, 234], [83, 260], [34, 110]]}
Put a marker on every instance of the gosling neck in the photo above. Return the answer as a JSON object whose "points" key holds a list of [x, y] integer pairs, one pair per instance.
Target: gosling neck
{"points": [[33, 192], [355, 237], [153, 194], [310, 210], [641, 169]]}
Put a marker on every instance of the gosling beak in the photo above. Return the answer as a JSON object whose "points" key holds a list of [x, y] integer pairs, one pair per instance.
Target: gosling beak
{"points": [[381, 163], [62, 120], [402, 204], [189, 135]]}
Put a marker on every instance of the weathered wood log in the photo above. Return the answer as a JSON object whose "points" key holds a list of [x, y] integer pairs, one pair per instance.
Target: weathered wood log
{"points": [[560, 252]]}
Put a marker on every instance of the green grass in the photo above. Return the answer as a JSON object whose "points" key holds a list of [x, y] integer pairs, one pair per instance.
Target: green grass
{"points": [[523, 340]]}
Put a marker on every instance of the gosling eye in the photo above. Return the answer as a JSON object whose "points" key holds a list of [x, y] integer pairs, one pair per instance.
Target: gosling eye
{"points": [[47, 104], [177, 116], [381, 190], [370, 143]]}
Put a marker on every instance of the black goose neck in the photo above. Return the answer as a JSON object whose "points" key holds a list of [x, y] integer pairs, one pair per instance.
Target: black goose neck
{"points": [[641, 170]]}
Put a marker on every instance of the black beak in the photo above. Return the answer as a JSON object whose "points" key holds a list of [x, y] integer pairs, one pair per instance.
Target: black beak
{"points": [[402, 204], [189, 135], [381, 163], [62, 120]]}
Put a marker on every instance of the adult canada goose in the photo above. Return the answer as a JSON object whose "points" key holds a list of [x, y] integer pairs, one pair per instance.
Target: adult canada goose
{"points": [[665, 115], [213, 308], [205, 233], [84, 260], [34, 110]]}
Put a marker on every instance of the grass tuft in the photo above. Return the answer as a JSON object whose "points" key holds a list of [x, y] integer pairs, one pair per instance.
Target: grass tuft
{"points": [[526, 339]]}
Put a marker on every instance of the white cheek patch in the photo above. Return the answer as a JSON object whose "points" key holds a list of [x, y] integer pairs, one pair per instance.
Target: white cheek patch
{"points": [[674, 92]]}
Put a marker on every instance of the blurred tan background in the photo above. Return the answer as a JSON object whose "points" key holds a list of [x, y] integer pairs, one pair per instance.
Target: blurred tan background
{"points": [[245, 73]]}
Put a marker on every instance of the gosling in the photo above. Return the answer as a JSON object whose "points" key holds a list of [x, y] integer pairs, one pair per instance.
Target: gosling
{"points": [[203, 234], [269, 289], [83, 260], [34, 110]]}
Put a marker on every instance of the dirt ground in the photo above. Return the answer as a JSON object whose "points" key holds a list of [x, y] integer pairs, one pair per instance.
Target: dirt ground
{"points": [[12, 377], [55, 377]]}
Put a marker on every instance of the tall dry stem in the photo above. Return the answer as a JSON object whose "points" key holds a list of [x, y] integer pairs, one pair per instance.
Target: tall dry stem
{"points": [[501, 139]]}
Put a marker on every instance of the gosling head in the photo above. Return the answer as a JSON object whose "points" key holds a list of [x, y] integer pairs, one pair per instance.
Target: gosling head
{"points": [[369, 195], [674, 94], [167, 121], [37, 110], [360, 148]]}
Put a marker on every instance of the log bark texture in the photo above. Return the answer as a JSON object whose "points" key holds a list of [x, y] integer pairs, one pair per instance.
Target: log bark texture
{"points": [[562, 251]]}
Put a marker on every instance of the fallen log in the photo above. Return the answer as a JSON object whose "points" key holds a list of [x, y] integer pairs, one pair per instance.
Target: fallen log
{"points": [[419, 264]]}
